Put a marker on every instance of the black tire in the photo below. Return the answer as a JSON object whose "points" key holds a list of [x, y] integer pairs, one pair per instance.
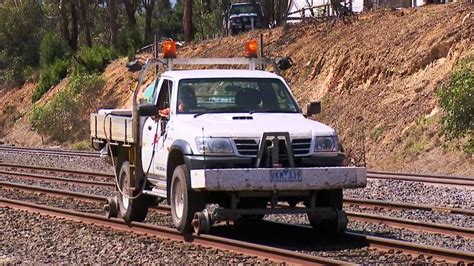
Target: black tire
{"points": [[184, 202], [327, 198], [130, 209]]}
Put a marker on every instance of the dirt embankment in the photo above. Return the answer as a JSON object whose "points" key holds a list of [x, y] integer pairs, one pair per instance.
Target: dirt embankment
{"points": [[376, 79]]}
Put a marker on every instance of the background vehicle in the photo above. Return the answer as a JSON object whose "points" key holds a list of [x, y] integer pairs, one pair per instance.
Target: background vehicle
{"points": [[234, 145], [243, 17]]}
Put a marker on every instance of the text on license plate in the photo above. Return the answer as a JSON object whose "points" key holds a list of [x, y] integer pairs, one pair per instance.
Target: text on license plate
{"points": [[286, 175]]}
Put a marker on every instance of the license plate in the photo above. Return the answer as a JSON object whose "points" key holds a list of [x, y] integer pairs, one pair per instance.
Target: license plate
{"points": [[286, 175]]}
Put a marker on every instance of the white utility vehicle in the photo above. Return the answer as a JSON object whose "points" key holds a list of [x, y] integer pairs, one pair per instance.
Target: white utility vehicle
{"points": [[230, 145]]}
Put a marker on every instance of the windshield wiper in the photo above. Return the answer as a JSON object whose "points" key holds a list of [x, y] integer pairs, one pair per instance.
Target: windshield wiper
{"points": [[201, 113]]}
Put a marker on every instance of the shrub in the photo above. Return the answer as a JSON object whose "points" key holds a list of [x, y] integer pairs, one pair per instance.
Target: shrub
{"points": [[66, 116], [20, 37], [456, 98], [54, 55], [53, 48], [94, 59], [50, 75]]}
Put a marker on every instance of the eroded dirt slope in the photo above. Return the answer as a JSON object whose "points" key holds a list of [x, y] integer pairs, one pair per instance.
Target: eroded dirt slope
{"points": [[375, 77]]}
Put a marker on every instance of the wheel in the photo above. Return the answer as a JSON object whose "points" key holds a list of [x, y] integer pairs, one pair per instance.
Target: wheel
{"points": [[130, 209], [184, 202], [333, 199]]}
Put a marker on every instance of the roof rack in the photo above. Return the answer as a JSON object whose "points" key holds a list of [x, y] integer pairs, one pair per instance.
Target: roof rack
{"points": [[252, 63]]}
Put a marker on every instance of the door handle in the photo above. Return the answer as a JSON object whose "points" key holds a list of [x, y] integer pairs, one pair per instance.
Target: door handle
{"points": [[149, 127]]}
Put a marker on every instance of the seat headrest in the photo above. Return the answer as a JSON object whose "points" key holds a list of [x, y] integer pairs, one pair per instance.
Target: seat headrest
{"points": [[248, 98]]}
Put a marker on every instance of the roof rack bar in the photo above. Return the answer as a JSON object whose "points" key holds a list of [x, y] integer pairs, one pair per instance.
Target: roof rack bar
{"points": [[251, 62]]}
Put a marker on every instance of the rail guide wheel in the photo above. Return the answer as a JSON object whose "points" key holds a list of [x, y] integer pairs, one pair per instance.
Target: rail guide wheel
{"points": [[111, 208], [201, 222]]}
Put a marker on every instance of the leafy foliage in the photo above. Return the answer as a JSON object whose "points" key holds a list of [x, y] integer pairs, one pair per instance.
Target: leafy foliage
{"points": [[456, 98], [54, 55], [53, 48], [94, 59], [65, 118], [20, 37]]}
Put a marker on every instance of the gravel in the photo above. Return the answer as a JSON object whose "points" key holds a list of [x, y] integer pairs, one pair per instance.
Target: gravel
{"points": [[82, 188], [59, 202], [411, 192], [57, 174], [56, 161], [438, 217], [381, 230], [31, 238], [414, 192]]}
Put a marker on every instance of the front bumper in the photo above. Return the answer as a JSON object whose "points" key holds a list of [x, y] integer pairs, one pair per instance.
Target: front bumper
{"points": [[278, 179]]}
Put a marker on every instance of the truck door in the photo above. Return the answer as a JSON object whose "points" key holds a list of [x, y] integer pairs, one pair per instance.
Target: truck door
{"points": [[149, 132], [161, 152]]}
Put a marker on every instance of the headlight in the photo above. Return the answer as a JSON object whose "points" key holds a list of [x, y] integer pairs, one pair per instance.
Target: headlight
{"points": [[330, 143], [214, 145]]}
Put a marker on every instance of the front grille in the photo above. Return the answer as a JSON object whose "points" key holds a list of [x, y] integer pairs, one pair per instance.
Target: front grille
{"points": [[249, 147], [301, 146]]}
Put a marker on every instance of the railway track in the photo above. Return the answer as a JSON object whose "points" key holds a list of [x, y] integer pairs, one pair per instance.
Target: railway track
{"points": [[434, 179], [49, 151], [465, 181], [382, 243], [347, 201], [261, 251]]}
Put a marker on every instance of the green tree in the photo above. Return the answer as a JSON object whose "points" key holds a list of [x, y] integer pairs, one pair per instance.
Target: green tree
{"points": [[456, 98], [20, 37]]}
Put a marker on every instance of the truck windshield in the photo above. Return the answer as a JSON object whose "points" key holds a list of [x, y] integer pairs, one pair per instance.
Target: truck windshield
{"points": [[242, 9], [234, 95]]}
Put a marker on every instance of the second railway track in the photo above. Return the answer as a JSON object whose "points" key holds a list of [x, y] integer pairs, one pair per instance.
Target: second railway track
{"points": [[465, 181]]}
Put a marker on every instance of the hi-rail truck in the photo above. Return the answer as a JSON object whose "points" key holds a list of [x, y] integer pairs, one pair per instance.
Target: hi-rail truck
{"points": [[223, 145]]}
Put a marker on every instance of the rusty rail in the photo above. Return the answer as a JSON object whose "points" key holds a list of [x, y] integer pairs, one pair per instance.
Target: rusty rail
{"points": [[49, 151], [261, 251]]}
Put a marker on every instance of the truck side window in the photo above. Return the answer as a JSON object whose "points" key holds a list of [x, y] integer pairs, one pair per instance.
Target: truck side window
{"points": [[164, 95]]}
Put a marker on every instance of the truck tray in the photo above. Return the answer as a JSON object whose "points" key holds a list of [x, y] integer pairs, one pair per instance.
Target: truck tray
{"points": [[112, 126]]}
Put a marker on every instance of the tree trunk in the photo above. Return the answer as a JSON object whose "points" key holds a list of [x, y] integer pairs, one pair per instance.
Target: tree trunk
{"points": [[130, 9], [112, 10], [188, 20], [149, 6], [74, 28], [64, 20], [258, 10], [85, 22]]}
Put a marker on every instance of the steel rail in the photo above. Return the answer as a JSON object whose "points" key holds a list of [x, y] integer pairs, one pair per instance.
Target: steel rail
{"points": [[49, 151], [355, 201], [459, 181], [437, 176], [450, 255], [405, 206], [56, 192], [397, 222], [59, 179], [436, 179], [236, 246], [52, 169], [412, 224]]}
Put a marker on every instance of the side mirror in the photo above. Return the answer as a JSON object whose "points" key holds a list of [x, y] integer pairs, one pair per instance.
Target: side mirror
{"points": [[147, 110], [313, 108]]}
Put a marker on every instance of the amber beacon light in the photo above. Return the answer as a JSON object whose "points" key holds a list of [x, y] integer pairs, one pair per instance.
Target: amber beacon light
{"points": [[251, 48], [169, 49]]}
